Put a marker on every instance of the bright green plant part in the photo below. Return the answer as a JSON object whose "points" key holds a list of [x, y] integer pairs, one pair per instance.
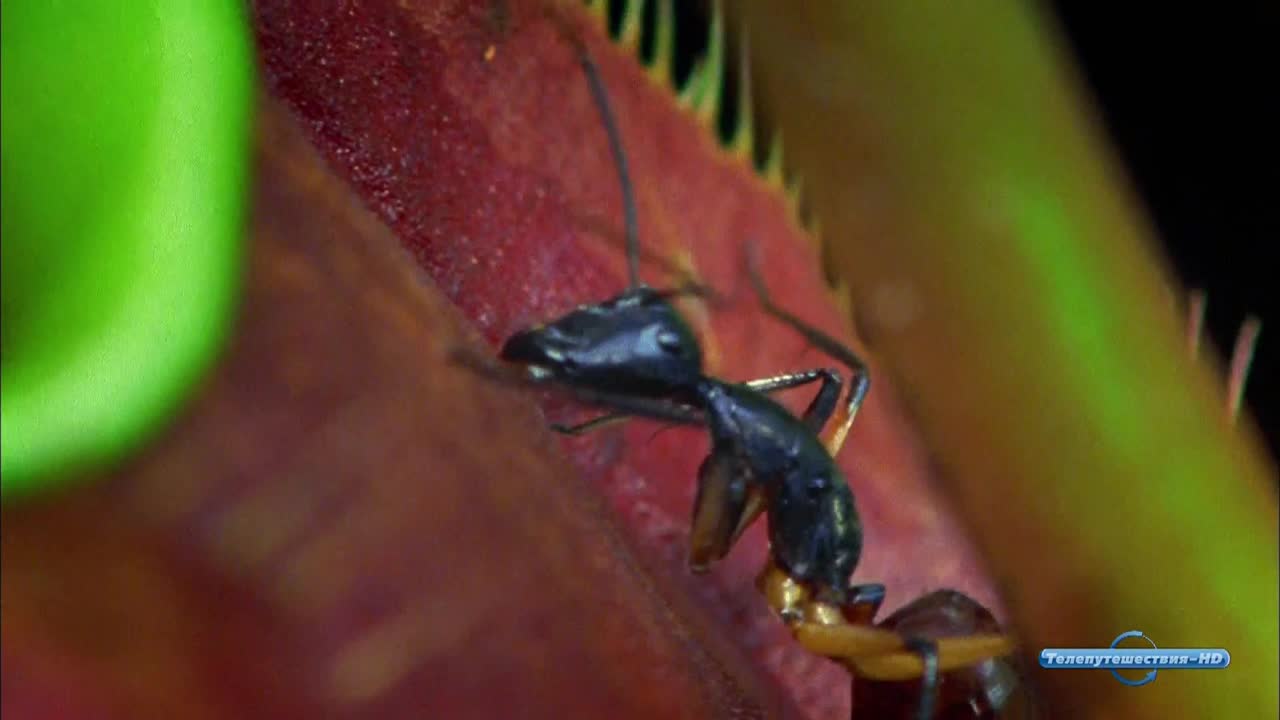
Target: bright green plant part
{"points": [[125, 137], [1006, 275]]}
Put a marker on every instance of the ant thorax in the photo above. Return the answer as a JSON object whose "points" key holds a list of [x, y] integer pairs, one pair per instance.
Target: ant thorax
{"points": [[774, 439]]}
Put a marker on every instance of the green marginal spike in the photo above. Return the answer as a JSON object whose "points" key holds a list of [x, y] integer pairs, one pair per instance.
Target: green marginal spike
{"points": [[1195, 325], [772, 170], [844, 302], [835, 282], [703, 89], [709, 100], [794, 188], [629, 34], [1241, 361], [742, 145], [664, 45], [815, 233], [691, 93], [600, 10]]}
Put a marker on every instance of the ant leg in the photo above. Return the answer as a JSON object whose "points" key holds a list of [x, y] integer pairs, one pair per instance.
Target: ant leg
{"points": [[724, 506], [953, 653], [823, 404], [794, 601], [815, 416], [928, 651], [844, 634], [690, 289], [595, 423], [883, 654], [860, 380], [862, 602], [752, 510]]}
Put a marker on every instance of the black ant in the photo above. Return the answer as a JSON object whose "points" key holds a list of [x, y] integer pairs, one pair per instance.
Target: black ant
{"points": [[634, 356]]}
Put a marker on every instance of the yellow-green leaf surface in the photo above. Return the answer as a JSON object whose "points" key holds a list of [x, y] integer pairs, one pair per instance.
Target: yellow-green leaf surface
{"points": [[1001, 267], [126, 131]]}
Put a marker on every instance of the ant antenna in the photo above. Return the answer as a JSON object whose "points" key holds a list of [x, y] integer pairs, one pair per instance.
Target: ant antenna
{"points": [[601, 100]]}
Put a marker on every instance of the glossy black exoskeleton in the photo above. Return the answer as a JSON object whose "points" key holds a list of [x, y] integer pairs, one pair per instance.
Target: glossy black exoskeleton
{"points": [[637, 346], [635, 356]]}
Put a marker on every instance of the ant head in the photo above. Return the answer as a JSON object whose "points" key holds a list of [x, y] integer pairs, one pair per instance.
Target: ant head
{"points": [[635, 343]]}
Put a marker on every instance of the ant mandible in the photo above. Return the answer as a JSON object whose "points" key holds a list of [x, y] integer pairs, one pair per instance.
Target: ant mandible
{"points": [[634, 356]]}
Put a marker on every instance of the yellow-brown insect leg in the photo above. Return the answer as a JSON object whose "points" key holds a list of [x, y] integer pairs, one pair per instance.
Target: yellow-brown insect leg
{"points": [[882, 654]]}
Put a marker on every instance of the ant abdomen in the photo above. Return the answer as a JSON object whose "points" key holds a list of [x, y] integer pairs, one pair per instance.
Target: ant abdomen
{"points": [[993, 688]]}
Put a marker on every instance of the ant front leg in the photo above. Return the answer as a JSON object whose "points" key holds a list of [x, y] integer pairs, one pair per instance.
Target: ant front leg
{"points": [[823, 404], [726, 503], [591, 425], [860, 379]]}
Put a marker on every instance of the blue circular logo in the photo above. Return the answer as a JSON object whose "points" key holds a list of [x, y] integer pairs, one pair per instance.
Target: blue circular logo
{"points": [[1146, 679]]}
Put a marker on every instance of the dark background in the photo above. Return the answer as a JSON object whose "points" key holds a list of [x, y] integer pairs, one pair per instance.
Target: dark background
{"points": [[1183, 93]]}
